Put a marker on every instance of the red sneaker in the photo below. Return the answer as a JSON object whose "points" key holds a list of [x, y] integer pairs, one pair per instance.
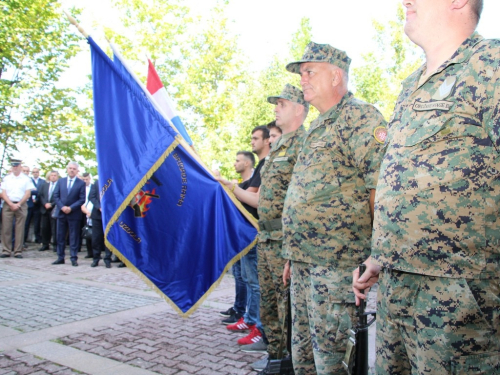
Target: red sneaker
{"points": [[253, 337], [240, 325]]}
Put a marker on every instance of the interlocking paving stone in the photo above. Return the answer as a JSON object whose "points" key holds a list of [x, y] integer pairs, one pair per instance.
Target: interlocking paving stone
{"points": [[70, 302], [167, 344], [17, 362], [6, 275]]}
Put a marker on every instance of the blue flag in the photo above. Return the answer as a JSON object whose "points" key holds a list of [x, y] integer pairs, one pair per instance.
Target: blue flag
{"points": [[163, 212]]}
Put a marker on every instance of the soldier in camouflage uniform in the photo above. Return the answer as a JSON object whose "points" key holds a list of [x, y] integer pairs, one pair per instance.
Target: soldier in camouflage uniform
{"points": [[326, 216], [437, 224], [291, 111]]}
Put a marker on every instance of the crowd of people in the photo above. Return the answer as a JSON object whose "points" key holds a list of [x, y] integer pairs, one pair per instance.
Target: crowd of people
{"points": [[59, 209], [416, 200]]}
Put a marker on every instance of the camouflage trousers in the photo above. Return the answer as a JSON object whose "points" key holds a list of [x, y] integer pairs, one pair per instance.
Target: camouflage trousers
{"points": [[434, 325], [320, 318], [272, 294]]}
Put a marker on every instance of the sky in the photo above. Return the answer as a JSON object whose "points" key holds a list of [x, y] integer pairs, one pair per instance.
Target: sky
{"points": [[265, 28]]}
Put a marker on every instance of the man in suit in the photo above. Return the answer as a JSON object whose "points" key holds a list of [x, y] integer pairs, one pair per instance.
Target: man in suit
{"points": [[86, 212], [37, 217], [69, 195], [97, 229], [31, 206], [47, 204]]}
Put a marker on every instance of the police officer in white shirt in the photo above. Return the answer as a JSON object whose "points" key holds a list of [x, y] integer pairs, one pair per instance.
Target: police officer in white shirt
{"points": [[16, 189]]}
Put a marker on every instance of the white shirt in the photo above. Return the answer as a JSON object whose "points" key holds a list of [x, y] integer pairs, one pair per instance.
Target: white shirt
{"points": [[87, 191], [16, 186]]}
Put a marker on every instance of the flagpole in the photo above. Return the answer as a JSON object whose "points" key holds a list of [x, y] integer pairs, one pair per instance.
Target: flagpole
{"points": [[73, 21]]}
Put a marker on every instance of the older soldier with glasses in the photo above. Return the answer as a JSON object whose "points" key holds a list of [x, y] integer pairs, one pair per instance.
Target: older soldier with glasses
{"points": [[437, 229]]}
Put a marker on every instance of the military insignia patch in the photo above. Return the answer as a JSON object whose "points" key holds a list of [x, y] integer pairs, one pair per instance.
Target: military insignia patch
{"points": [[445, 89], [281, 158], [318, 144], [380, 134], [282, 153]]}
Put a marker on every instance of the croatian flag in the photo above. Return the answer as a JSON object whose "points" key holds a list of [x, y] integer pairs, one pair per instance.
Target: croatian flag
{"points": [[159, 94]]}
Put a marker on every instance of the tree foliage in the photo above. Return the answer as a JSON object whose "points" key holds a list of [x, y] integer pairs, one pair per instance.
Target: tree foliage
{"points": [[254, 108], [35, 46], [378, 80]]}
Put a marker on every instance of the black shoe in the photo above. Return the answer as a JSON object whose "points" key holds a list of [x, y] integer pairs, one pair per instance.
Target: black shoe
{"points": [[88, 256], [232, 319], [44, 247], [59, 261], [95, 263], [74, 263], [4, 256], [121, 265], [107, 263], [228, 312], [18, 256]]}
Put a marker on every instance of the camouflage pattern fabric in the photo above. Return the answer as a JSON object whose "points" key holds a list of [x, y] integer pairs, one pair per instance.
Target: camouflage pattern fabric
{"points": [[326, 215], [438, 197], [323, 311], [276, 174], [437, 325], [321, 53], [272, 294], [290, 93], [437, 220]]}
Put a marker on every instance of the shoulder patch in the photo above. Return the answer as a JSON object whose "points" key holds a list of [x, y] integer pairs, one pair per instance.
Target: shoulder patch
{"points": [[380, 134]]}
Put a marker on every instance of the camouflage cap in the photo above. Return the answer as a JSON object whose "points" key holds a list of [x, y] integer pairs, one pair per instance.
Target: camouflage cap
{"points": [[291, 93], [321, 53]]}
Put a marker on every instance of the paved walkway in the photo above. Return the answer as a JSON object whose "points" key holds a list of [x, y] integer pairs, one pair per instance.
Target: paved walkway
{"points": [[82, 320]]}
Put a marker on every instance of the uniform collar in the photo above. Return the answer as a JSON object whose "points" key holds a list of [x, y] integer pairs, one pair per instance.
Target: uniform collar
{"points": [[462, 54], [336, 109], [287, 136]]}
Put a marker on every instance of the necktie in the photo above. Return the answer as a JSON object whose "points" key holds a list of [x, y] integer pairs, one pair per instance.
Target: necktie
{"points": [[51, 189], [69, 185]]}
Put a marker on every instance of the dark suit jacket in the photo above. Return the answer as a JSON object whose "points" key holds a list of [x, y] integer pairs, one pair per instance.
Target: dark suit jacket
{"points": [[43, 197], [74, 199], [36, 192], [95, 198]]}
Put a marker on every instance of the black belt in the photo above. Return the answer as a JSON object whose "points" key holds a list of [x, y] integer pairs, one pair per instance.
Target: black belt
{"points": [[269, 225], [15, 202]]}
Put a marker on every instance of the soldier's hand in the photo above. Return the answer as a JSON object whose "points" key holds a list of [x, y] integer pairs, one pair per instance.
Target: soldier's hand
{"points": [[286, 273], [365, 281]]}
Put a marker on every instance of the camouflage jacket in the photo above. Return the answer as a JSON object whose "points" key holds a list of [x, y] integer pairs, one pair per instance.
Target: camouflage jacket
{"points": [[326, 216], [276, 175], [438, 196]]}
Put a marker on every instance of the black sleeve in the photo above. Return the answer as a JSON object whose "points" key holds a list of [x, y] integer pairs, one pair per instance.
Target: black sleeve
{"points": [[255, 179]]}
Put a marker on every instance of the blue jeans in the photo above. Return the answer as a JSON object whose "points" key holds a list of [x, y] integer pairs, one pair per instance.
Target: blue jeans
{"points": [[240, 299], [251, 278]]}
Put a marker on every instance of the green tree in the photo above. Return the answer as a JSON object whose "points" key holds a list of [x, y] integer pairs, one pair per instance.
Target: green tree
{"points": [[35, 46], [378, 80], [200, 64], [254, 108]]}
